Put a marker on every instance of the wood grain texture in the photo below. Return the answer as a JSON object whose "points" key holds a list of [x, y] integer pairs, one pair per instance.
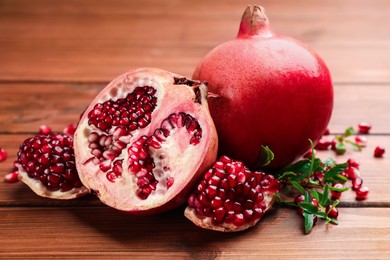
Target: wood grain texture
{"points": [[56, 56]]}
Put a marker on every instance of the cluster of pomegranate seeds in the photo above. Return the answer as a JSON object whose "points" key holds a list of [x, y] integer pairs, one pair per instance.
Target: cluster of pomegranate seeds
{"points": [[142, 164], [232, 194], [132, 112], [50, 159], [3, 155]]}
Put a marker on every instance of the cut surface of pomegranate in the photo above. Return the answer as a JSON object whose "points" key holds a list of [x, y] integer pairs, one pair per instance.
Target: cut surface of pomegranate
{"points": [[230, 197], [269, 90], [47, 165], [144, 140]]}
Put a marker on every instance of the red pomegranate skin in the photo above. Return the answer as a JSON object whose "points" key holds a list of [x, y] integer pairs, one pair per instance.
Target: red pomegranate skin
{"points": [[270, 90]]}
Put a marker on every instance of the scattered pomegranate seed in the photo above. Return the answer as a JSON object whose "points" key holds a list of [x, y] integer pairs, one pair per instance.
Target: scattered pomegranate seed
{"points": [[362, 193], [357, 183], [353, 163], [364, 127], [352, 173], [323, 144], [3, 155], [309, 154], [44, 130], [332, 212], [69, 130], [336, 194], [361, 140], [327, 132], [379, 152], [11, 177]]}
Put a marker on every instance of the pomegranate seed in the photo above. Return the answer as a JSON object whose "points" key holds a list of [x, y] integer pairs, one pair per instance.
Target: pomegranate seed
{"points": [[362, 193], [323, 144], [11, 177], [336, 194], [44, 130], [364, 127], [352, 173], [332, 212], [357, 183], [353, 163], [69, 130], [361, 140], [309, 154], [3, 155], [327, 131], [379, 152]]}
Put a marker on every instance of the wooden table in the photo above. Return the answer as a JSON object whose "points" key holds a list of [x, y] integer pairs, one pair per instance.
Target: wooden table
{"points": [[56, 56]]}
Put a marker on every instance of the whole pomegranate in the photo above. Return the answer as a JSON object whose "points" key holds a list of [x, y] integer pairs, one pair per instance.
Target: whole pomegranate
{"points": [[145, 140], [230, 197], [269, 90], [46, 163]]}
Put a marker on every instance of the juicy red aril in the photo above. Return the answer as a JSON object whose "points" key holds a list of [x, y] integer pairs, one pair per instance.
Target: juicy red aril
{"points": [[336, 194], [357, 183], [362, 193], [44, 130], [132, 112], [69, 130], [11, 177], [3, 155], [364, 127], [142, 164], [332, 212], [323, 144], [353, 163], [49, 158], [379, 152], [230, 193], [361, 140], [352, 172]]}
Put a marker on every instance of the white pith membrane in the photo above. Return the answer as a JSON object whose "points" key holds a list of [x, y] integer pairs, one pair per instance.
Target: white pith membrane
{"points": [[207, 222], [43, 191], [172, 160]]}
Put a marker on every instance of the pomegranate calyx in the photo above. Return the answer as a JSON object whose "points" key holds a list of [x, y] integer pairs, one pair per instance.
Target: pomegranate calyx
{"points": [[254, 22]]}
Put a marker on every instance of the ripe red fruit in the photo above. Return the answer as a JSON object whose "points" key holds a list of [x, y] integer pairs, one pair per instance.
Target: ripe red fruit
{"points": [[3, 155], [357, 183], [46, 164], [267, 87], [336, 194], [11, 177], [379, 152], [352, 172], [230, 197], [44, 130], [145, 140], [364, 127], [362, 193], [332, 212]]}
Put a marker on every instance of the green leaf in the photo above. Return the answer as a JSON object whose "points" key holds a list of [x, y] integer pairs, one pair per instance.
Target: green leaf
{"points": [[320, 214], [286, 175], [298, 167], [298, 187], [338, 189], [309, 221], [315, 194], [265, 158], [354, 145], [334, 221], [333, 172], [329, 162], [325, 196], [349, 131], [308, 207]]}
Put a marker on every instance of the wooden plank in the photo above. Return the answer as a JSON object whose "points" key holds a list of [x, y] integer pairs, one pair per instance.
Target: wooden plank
{"points": [[27, 106], [102, 232], [72, 41], [374, 172]]}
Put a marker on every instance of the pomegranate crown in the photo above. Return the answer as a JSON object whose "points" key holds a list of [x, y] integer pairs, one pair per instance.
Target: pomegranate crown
{"points": [[254, 22]]}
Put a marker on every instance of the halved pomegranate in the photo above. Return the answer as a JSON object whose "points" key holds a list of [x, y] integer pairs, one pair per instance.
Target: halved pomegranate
{"points": [[46, 163], [144, 141], [230, 197]]}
